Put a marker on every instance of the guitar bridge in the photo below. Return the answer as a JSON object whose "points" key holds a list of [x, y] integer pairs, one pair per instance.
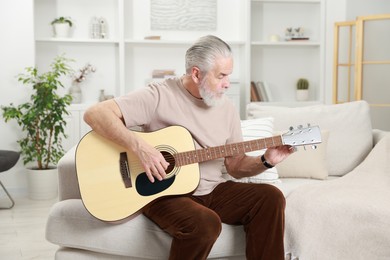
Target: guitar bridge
{"points": [[125, 170]]}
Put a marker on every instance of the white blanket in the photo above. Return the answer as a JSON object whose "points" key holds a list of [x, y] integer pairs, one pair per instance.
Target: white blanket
{"points": [[346, 218]]}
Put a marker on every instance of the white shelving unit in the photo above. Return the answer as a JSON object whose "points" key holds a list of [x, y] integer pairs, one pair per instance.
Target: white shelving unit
{"points": [[281, 63], [125, 61]]}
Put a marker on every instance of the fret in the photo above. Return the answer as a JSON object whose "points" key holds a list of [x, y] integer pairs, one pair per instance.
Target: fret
{"points": [[269, 142], [195, 156], [215, 152], [258, 145], [177, 158], [278, 140], [207, 154], [200, 155], [247, 146], [240, 148], [223, 150], [212, 154], [189, 158], [234, 149], [255, 145], [184, 158]]}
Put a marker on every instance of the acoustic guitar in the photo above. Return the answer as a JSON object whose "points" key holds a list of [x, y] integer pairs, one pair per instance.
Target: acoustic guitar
{"points": [[114, 185]]}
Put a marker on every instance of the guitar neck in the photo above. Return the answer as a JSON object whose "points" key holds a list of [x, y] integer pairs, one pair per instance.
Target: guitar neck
{"points": [[212, 153]]}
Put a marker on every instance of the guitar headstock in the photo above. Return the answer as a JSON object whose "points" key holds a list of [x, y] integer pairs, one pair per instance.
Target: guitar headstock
{"points": [[309, 135]]}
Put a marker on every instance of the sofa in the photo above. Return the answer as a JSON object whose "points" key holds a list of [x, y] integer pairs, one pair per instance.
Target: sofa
{"points": [[337, 204]]}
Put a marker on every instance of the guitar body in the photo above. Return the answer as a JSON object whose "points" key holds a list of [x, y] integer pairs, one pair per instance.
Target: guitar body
{"points": [[112, 181]]}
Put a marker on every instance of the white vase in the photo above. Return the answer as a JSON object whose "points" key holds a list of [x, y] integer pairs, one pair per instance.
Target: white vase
{"points": [[42, 184], [302, 94], [61, 30], [76, 93]]}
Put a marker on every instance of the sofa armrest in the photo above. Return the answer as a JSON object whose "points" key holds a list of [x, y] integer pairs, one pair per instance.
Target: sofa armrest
{"points": [[67, 178], [378, 134]]}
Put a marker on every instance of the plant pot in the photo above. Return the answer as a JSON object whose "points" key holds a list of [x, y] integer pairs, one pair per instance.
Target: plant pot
{"points": [[61, 30], [42, 184], [302, 94]]}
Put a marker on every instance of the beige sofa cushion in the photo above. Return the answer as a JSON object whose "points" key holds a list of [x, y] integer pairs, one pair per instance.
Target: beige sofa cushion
{"points": [[349, 125], [306, 162], [70, 225]]}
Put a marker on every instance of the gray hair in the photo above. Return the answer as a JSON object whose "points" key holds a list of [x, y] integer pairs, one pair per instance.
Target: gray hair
{"points": [[204, 52]]}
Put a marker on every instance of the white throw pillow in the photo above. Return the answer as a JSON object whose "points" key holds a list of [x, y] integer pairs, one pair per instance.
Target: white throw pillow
{"points": [[257, 129], [306, 162], [349, 125]]}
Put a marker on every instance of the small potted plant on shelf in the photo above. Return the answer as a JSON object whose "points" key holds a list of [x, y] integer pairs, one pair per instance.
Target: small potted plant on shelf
{"points": [[302, 93], [61, 26], [42, 119]]}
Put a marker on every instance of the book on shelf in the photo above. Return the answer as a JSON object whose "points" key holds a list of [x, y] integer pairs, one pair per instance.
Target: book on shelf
{"points": [[163, 73], [152, 37], [264, 91], [261, 91], [298, 39], [255, 97], [268, 91], [159, 75]]}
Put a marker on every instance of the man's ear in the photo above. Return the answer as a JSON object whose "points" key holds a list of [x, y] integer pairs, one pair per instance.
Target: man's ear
{"points": [[195, 74]]}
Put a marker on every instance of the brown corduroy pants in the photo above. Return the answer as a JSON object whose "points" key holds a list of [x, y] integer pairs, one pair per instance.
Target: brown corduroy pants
{"points": [[194, 222]]}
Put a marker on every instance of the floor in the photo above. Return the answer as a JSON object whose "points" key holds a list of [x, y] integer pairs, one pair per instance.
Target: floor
{"points": [[22, 230]]}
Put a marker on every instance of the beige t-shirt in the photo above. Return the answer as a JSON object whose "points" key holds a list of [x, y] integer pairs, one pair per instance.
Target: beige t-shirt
{"points": [[168, 103]]}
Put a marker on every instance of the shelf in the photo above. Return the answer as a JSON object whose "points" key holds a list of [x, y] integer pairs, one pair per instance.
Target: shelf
{"points": [[289, 103], [124, 61], [286, 43], [289, 1], [174, 42], [281, 63], [77, 40]]}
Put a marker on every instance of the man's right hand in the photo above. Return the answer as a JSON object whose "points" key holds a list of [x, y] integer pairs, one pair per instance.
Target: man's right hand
{"points": [[152, 160]]}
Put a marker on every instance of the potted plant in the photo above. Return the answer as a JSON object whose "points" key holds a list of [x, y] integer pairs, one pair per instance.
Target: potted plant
{"points": [[302, 93], [61, 26], [42, 120]]}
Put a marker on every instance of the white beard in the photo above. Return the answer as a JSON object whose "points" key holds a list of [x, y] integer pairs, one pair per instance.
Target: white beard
{"points": [[210, 98]]}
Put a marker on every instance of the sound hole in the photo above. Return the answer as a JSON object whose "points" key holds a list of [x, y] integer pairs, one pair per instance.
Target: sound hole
{"points": [[146, 188], [171, 160]]}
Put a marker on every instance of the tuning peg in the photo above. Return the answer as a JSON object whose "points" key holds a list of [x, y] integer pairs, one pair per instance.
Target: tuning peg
{"points": [[308, 125], [300, 126], [314, 147], [291, 128]]}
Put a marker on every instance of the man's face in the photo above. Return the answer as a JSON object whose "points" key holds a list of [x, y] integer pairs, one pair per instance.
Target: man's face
{"points": [[216, 82]]}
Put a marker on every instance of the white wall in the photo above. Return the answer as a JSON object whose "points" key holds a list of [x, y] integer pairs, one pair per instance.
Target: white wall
{"points": [[335, 12], [16, 52], [366, 7]]}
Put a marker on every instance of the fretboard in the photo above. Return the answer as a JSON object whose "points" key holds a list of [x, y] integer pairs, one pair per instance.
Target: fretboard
{"points": [[212, 153]]}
